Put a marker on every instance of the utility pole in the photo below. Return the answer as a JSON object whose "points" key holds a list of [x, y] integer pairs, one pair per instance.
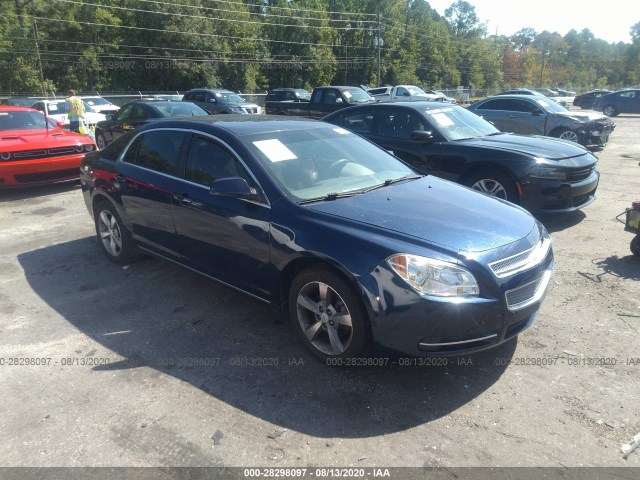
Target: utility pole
{"points": [[35, 37], [379, 44]]}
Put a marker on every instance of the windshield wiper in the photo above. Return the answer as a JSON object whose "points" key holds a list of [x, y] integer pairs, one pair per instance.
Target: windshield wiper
{"points": [[329, 197], [391, 181]]}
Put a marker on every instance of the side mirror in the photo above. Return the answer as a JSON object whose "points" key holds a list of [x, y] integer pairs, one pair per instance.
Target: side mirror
{"points": [[338, 100], [109, 116], [60, 124], [235, 187], [422, 136], [536, 112], [212, 100]]}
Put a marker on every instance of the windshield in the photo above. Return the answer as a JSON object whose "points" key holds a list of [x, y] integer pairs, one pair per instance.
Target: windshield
{"points": [[455, 123], [357, 95], [229, 97], [180, 109], [550, 105], [22, 121], [95, 101], [303, 94], [415, 91], [318, 162], [57, 108]]}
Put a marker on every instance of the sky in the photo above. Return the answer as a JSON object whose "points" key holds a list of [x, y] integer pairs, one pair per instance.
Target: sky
{"points": [[610, 20]]}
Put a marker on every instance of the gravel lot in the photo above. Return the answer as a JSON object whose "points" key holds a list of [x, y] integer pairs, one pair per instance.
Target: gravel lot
{"points": [[150, 365]]}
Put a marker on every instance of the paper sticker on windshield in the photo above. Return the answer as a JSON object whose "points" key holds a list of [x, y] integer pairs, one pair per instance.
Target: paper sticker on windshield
{"points": [[347, 94], [275, 150], [341, 131], [442, 119]]}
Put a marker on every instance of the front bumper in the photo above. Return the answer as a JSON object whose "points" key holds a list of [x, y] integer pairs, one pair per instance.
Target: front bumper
{"points": [[407, 323], [37, 172], [556, 196]]}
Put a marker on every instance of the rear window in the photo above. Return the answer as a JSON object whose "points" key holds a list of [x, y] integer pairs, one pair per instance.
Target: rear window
{"points": [[158, 150]]}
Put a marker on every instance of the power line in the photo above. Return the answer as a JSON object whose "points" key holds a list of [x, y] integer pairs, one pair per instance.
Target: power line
{"points": [[198, 34], [183, 15]]}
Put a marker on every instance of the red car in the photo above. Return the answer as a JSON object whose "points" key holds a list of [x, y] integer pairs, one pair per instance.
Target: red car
{"points": [[35, 150]]}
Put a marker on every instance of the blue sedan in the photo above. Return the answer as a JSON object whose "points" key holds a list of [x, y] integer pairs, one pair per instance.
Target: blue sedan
{"points": [[362, 254]]}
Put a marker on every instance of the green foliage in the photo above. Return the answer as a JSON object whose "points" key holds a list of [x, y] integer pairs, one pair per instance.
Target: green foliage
{"points": [[251, 45]]}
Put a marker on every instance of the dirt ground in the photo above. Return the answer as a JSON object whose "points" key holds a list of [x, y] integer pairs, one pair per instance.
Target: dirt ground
{"points": [[151, 365]]}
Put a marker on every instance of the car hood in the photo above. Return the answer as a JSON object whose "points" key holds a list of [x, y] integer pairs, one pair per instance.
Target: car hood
{"points": [[585, 117], [535, 146], [12, 140], [437, 211]]}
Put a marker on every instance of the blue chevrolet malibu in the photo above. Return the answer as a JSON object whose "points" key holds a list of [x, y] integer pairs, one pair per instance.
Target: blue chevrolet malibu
{"points": [[362, 254]]}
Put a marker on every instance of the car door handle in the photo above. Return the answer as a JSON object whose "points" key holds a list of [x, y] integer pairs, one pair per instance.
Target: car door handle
{"points": [[119, 179], [184, 199]]}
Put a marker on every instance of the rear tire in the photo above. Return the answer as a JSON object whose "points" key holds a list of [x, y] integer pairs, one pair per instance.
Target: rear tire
{"points": [[115, 240], [328, 316]]}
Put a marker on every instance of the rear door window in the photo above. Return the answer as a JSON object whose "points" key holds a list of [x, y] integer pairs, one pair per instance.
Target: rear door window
{"points": [[158, 150]]}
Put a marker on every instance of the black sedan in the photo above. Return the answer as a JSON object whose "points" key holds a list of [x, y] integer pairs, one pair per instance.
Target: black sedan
{"points": [[588, 99], [540, 174], [362, 253], [538, 115], [138, 112]]}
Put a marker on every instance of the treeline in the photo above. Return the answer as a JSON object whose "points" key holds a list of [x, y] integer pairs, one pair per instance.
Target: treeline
{"points": [[249, 45]]}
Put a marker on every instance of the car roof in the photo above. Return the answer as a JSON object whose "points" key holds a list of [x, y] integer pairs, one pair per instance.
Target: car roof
{"points": [[241, 125], [15, 108], [421, 105]]}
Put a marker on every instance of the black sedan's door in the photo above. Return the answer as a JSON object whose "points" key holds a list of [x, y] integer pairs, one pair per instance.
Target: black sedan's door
{"points": [[394, 131], [226, 238], [147, 182]]}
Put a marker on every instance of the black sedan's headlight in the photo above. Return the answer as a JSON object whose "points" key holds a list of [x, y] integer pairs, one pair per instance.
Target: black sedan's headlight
{"points": [[546, 171], [434, 277]]}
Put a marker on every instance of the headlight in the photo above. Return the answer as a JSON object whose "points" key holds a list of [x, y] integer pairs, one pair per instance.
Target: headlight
{"points": [[542, 170], [236, 110], [89, 148], [434, 277]]}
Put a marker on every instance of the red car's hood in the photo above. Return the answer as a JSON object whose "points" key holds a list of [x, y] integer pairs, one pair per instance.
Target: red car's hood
{"points": [[32, 139]]}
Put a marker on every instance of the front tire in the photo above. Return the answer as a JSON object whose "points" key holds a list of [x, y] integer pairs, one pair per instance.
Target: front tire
{"points": [[566, 134], [100, 141], [328, 316], [114, 238], [610, 111], [494, 184], [635, 246]]}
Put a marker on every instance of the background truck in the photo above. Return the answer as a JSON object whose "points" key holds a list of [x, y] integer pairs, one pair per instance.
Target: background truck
{"points": [[403, 93], [323, 101]]}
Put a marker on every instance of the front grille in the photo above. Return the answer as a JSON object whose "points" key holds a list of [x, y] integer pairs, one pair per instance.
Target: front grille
{"points": [[529, 293], [521, 261], [40, 154], [47, 176], [579, 174], [251, 109], [30, 154]]}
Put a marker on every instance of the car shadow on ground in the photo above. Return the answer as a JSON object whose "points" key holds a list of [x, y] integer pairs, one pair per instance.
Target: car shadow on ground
{"points": [[156, 315], [627, 267], [557, 222], [22, 193]]}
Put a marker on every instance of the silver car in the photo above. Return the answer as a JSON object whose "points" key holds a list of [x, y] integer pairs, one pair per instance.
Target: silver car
{"points": [[539, 115]]}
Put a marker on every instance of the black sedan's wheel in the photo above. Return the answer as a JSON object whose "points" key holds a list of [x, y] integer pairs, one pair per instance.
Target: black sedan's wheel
{"points": [[494, 184], [328, 316], [100, 140], [114, 238], [566, 134], [635, 246], [610, 111]]}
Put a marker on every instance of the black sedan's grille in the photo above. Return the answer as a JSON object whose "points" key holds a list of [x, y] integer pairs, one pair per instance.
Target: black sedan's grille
{"points": [[579, 174]]}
